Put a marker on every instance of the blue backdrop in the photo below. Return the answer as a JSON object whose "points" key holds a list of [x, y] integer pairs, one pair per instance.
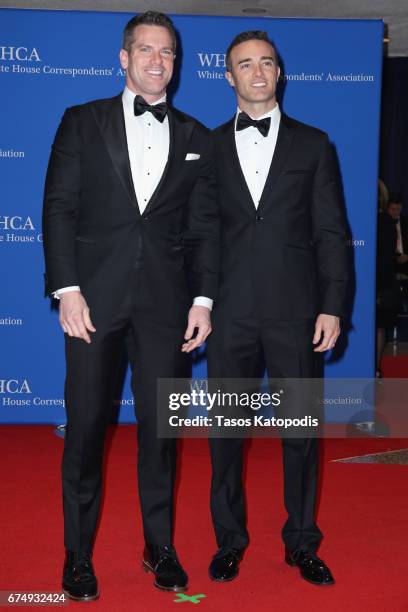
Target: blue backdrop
{"points": [[50, 60]]}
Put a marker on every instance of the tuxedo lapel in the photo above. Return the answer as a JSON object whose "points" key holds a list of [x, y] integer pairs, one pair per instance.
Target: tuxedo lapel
{"points": [[230, 153], [180, 129], [111, 122], [282, 148]]}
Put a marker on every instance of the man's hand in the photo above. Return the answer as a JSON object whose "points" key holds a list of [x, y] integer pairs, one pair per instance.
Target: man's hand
{"points": [[198, 317], [329, 326], [74, 316], [401, 259]]}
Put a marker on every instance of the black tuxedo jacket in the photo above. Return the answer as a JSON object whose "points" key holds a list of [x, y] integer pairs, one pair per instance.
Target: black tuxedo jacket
{"points": [[288, 259], [386, 252], [94, 234], [403, 268]]}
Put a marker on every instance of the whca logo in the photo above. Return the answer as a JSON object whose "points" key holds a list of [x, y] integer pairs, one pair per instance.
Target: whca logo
{"points": [[12, 386], [212, 60], [20, 54], [16, 223]]}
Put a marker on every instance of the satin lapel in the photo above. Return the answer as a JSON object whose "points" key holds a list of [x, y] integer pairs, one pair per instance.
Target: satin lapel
{"points": [[111, 122], [231, 154], [180, 132], [283, 144]]}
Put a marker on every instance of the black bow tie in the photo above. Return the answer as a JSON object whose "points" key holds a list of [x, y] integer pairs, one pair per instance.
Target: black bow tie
{"points": [[245, 121], [158, 110]]}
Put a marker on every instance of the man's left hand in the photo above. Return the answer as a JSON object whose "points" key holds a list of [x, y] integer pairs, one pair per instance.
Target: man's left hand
{"points": [[329, 326], [198, 318]]}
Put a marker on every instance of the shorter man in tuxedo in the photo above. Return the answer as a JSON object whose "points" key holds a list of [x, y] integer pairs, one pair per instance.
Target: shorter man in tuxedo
{"points": [[394, 210], [392, 265], [131, 240], [283, 286]]}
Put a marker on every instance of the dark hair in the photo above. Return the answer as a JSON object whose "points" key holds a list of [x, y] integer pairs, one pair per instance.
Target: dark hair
{"points": [[394, 198], [148, 18], [244, 37]]}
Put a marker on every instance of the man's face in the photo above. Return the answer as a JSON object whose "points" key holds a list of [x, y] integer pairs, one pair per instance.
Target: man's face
{"points": [[254, 72], [394, 210], [149, 63]]}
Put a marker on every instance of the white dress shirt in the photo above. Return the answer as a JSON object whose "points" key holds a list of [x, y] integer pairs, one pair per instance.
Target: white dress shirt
{"points": [[400, 245], [148, 143], [255, 152]]}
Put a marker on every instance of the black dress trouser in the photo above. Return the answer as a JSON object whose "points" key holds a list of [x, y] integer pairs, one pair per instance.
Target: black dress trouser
{"points": [[241, 349], [154, 352]]}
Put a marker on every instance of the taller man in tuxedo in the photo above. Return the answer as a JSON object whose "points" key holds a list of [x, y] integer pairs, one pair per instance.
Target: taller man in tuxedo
{"points": [[130, 237], [282, 287]]}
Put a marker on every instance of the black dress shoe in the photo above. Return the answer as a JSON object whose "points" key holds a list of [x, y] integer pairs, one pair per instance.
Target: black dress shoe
{"points": [[312, 568], [78, 579], [224, 566], [163, 563]]}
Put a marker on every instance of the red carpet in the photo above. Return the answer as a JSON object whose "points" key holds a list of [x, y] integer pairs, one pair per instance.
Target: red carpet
{"points": [[391, 396], [363, 513], [395, 367]]}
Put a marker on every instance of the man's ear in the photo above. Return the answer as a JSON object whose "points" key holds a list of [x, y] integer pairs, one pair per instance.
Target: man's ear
{"points": [[230, 78], [124, 58]]}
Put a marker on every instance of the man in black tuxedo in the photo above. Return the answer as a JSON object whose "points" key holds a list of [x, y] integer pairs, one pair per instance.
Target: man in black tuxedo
{"points": [[282, 287], [131, 239], [394, 210]]}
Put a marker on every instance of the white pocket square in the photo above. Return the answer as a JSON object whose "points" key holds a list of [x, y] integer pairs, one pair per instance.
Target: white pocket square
{"points": [[192, 156]]}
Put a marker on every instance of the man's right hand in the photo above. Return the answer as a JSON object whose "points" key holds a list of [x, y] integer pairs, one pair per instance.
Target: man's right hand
{"points": [[74, 316]]}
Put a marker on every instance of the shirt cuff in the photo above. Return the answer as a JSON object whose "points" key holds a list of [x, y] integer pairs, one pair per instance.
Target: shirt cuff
{"points": [[203, 301], [59, 292]]}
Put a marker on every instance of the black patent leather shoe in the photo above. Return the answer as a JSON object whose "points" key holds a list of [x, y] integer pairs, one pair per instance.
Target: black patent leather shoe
{"points": [[163, 563], [78, 579], [312, 568], [224, 566]]}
